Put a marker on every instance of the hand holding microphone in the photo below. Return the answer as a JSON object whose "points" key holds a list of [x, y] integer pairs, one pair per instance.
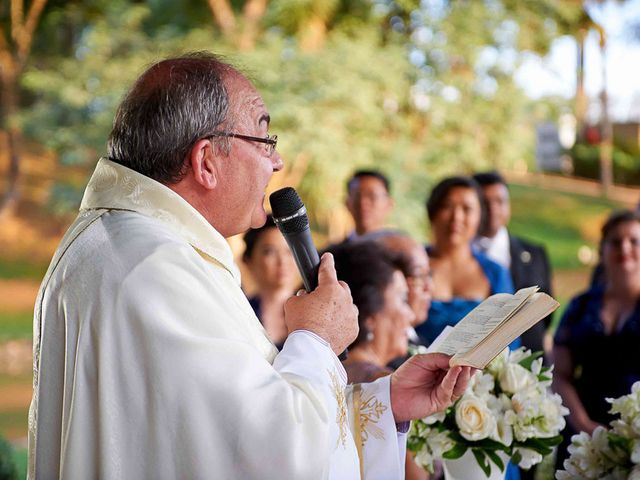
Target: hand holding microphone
{"points": [[328, 309]]}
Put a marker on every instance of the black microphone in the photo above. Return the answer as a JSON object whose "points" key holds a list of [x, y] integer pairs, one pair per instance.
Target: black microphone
{"points": [[290, 216]]}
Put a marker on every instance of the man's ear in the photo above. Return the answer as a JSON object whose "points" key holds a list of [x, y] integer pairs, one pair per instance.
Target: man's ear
{"points": [[392, 203], [348, 202], [202, 158]]}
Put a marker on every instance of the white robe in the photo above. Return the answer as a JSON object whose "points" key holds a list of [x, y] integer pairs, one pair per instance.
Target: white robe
{"points": [[150, 363]]}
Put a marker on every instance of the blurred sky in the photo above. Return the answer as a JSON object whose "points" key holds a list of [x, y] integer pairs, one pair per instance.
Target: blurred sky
{"points": [[555, 74]]}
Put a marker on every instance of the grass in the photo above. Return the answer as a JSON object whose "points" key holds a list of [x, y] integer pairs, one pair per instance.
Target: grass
{"points": [[561, 221], [16, 325], [14, 268], [14, 422], [20, 458]]}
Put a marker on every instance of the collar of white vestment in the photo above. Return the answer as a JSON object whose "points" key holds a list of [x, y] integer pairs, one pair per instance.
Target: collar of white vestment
{"points": [[116, 187]]}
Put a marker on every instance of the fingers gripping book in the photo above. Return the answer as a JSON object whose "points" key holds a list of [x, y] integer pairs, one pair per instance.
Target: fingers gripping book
{"points": [[480, 336]]}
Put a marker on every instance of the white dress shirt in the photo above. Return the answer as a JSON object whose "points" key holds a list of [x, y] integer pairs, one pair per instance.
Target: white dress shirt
{"points": [[150, 363], [496, 248]]}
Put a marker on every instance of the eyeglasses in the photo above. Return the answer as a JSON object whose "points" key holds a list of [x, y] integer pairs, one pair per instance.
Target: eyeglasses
{"points": [[270, 140]]}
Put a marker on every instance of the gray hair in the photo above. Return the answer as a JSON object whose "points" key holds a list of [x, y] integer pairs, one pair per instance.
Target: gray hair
{"points": [[171, 106]]}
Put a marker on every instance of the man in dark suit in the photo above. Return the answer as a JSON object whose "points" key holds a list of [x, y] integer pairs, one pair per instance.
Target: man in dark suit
{"points": [[527, 262]]}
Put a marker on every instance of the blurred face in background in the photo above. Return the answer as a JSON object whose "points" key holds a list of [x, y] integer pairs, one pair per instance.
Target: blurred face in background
{"points": [[621, 251], [271, 262], [418, 276], [389, 326], [498, 208], [369, 204], [420, 286], [457, 220]]}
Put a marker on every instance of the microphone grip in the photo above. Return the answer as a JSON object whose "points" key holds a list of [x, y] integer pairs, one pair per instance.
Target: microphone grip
{"points": [[308, 263], [306, 257]]}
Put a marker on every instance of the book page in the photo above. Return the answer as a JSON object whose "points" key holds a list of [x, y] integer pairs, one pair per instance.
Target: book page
{"points": [[482, 320], [535, 309], [435, 345]]}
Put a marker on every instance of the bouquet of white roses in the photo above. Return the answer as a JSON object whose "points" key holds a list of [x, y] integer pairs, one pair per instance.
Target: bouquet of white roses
{"points": [[508, 408], [609, 453]]}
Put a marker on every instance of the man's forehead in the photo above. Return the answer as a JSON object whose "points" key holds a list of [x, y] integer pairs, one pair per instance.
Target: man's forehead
{"points": [[497, 188], [366, 182], [244, 95]]}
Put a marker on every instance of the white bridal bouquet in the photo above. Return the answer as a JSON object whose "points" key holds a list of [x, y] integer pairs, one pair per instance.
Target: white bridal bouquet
{"points": [[609, 453], [506, 412]]}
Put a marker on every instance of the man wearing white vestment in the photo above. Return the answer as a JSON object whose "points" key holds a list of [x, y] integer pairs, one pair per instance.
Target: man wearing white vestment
{"points": [[149, 362]]}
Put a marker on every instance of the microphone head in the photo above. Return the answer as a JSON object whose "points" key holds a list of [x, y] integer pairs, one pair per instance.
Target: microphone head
{"points": [[288, 211]]}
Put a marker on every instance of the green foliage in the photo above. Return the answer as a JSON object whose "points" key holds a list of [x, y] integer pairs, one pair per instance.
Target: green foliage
{"points": [[395, 86], [528, 361], [16, 325], [455, 452], [8, 468], [544, 446], [626, 165], [333, 124], [293, 15]]}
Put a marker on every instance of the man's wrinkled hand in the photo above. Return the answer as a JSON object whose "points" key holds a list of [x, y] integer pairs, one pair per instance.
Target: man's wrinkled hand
{"points": [[425, 384], [328, 311]]}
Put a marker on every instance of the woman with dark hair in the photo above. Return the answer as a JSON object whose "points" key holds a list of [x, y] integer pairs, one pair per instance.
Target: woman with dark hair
{"points": [[376, 277], [273, 269], [462, 278], [379, 290], [596, 345]]}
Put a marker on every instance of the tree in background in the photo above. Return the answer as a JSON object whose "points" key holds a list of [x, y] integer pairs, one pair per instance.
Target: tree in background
{"points": [[17, 30], [418, 89]]}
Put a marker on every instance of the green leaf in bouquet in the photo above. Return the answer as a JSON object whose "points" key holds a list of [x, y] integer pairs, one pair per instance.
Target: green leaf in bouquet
{"points": [[543, 378], [527, 361], [415, 444], [481, 458], [495, 459], [489, 444], [516, 458], [544, 446], [619, 442], [456, 437], [456, 452]]}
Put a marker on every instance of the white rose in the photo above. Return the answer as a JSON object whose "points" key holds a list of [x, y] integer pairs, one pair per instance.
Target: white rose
{"points": [[635, 473], [474, 419], [529, 457], [514, 378]]}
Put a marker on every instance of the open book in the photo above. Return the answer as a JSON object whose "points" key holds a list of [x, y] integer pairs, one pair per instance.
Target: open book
{"points": [[480, 336]]}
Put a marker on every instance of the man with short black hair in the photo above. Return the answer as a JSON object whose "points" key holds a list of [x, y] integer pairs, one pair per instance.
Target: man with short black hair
{"points": [[527, 262], [369, 202], [148, 359]]}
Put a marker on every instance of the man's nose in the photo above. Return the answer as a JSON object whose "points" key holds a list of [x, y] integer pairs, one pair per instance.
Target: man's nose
{"points": [[276, 161]]}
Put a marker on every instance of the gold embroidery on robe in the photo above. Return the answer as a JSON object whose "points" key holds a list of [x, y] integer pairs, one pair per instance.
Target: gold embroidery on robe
{"points": [[341, 411], [371, 409]]}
